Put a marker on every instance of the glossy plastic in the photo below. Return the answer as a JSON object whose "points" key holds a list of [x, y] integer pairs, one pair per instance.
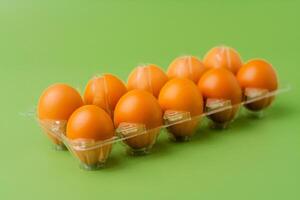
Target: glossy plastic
{"points": [[93, 155]]}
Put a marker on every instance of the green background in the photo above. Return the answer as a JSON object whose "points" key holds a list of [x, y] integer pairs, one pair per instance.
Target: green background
{"points": [[43, 42]]}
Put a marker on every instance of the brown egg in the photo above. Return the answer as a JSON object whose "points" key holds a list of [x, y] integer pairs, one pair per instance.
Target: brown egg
{"points": [[104, 91], [217, 86], [140, 108], [188, 67], [223, 57], [87, 127], [256, 78], [147, 77], [180, 94], [55, 106]]}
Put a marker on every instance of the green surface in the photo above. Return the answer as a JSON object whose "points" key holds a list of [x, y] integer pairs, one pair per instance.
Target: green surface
{"points": [[43, 42]]}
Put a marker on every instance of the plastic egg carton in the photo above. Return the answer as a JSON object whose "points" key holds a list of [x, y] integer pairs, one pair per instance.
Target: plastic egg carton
{"points": [[93, 155]]}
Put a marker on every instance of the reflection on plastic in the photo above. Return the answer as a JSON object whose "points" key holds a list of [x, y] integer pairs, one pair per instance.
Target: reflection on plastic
{"points": [[172, 117], [251, 93], [214, 104], [54, 129], [128, 130], [91, 154], [137, 137]]}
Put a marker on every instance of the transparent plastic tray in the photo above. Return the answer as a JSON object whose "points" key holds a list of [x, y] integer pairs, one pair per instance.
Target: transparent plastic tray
{"points": [[93, 155]]}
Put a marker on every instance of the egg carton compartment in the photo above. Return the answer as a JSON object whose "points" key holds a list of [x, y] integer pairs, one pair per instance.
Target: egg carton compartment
{"points": [[139, 140], [54, 129], [91, 154]]}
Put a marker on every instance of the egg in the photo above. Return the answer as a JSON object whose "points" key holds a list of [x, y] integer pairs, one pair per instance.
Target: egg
{"points": [[104, 91], [55, 106], [180, 94], [223, 57], [147, 77], [139, 107], [186, 67], [88, 125], [257, 77], [218, 86]]}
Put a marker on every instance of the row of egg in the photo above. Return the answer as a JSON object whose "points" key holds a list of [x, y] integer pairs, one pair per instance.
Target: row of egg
{"points": [[189, 85]]}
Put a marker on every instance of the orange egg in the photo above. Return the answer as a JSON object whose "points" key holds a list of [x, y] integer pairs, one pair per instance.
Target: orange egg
{"points": [[257, 76], [58, 102], [90, 124], [223, 57], [220, 84], [55, 106], [104, 91], [147, 77], [186, 67], [141, 108], [180, 94]]}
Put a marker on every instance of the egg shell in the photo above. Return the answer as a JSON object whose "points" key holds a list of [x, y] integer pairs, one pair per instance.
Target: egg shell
{"points": [[223, 57], [221, 84], [147, 77], [180, 94], [104, 91], [57, 103], [188, 67], [258, 74], [139, 107], [90, 124]]}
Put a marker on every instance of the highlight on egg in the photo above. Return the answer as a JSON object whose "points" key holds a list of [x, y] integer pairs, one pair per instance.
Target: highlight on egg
{"points": [[182, 95], [88, 126], [256, 78], [220, 88], [139, 108], [55, 106], [147, 77], [189, 67], [104, 91], [223, 57]]}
